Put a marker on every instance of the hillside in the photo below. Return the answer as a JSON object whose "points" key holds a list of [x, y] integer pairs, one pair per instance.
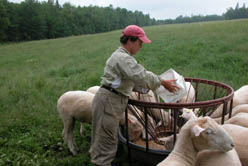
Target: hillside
{"points": [[34, 74]]}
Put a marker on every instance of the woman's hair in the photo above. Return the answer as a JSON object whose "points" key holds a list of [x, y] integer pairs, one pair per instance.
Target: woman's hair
{"points": [[124, 39]]}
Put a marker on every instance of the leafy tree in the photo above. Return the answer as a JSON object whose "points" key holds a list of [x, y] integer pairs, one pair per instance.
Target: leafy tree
{"points": [[237, 12], [4, 20], [32, 23]]}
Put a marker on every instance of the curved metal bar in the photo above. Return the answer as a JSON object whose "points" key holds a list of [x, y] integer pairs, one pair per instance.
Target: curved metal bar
{"points": [[197, 104]]}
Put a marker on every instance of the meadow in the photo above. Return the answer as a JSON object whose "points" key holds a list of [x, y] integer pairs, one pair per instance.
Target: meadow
{"points": [[34, 74]]}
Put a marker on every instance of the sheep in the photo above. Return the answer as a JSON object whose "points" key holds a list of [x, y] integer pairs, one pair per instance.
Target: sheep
{"points": [[160, 116], [141, 117], [77, 105], [206, 154], [240, 97], [238, 133], [240, 119], [135, 128], [236, 110], [240, 138], [217, 158], [93, 89], [198, 135]]}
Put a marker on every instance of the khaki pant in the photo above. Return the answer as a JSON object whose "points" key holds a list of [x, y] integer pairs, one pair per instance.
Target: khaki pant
{"points": [[107, 110]]}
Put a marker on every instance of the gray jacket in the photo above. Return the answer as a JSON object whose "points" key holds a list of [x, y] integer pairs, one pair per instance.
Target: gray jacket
{"points": [[123, 73]]}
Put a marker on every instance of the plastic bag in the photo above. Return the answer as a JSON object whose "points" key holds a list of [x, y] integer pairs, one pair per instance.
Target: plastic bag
{"points": [[167, 96]]}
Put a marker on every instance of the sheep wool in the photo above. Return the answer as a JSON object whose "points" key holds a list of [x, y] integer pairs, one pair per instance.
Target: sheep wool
{"points": [[240, 97], [199, 135]]}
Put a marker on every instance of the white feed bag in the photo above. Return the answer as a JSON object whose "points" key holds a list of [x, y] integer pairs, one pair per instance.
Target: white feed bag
{"points": [[167, 96]]}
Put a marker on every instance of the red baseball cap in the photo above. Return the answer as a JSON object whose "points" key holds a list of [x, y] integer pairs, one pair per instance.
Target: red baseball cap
{"points": [[136, 31]]}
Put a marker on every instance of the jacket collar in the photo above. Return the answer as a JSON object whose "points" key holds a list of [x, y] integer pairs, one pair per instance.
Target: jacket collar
{"points": [[124, 50]]}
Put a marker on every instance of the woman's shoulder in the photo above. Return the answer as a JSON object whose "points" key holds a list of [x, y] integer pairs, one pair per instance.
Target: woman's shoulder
{"points": [[122, 55]]}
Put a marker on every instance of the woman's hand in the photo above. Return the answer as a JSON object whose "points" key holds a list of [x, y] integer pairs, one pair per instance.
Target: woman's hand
{"points": [[170, 85]]}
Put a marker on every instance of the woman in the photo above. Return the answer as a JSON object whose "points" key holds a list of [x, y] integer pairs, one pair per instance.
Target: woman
{"points": [[121, 74]]}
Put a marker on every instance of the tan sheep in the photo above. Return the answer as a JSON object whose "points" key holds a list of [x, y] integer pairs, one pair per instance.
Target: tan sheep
{"points": [[196, 138], [238, 133], [159, 115], [240, 138], [243, 108], [240, 97], [218, 158], [240, 119], [93, 89], [76, 105]]}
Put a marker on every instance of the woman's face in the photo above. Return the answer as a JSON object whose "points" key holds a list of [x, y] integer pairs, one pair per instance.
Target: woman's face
{"points": [[135, 46]]}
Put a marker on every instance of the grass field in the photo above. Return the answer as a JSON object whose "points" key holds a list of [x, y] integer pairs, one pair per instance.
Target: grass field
{"points": [[34, 74]]}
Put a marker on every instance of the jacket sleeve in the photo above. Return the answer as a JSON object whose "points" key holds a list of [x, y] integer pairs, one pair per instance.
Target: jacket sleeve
{"points": [[130, 69]]}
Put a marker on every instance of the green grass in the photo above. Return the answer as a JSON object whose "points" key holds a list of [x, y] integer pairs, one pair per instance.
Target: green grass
{"points": [[34, 74]]}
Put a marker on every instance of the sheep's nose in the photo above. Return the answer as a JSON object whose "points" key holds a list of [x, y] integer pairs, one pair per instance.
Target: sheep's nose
{"points": [[232, 145]]}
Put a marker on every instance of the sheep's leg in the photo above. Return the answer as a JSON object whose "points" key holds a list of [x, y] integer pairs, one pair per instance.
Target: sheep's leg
{"points": [[68, 135]]}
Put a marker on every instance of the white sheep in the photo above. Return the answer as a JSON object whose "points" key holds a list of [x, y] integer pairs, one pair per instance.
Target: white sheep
{"points": [[243, 108], [77, 105], [159, 115], [240, 97], [188, 114], [93, 89], [240, 138], [217, 158], [199, 135], [240, 119], [133, 110], [237, 132]]}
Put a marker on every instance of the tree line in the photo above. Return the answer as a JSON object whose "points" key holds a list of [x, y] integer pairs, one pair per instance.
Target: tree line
{"points": [[237, 13], [231, 13], [34, 20], [196, 18]]}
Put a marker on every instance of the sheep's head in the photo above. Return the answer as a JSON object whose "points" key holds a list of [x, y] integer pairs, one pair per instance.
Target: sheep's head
{"points": [[207, 134], [188, 113]]}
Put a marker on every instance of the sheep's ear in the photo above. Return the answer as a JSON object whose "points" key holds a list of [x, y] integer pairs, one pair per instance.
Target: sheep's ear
{"points": [[197, 130]]}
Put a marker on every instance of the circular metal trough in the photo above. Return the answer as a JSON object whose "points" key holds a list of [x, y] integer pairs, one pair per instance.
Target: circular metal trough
{"points": [[208, 96]]}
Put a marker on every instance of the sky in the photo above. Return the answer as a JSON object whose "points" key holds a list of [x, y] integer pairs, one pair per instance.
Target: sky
{"points": [[163, 9]]}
